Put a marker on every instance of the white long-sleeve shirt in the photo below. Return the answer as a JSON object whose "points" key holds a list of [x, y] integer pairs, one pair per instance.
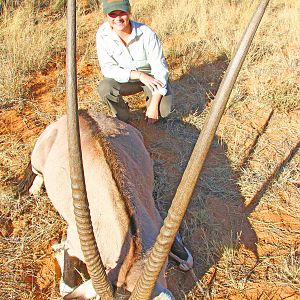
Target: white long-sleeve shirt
{"points": [[143, 52]]}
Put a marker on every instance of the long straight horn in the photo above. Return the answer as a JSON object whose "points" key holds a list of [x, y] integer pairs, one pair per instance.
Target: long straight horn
{"points": [[81, 206], [186, 187]]}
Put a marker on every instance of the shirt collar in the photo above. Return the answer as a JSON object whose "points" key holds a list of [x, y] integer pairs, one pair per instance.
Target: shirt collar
{"points": [[136, 31]]}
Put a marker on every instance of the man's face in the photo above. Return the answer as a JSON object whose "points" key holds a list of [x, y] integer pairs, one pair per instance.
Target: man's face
{"points": [[118, 20]]}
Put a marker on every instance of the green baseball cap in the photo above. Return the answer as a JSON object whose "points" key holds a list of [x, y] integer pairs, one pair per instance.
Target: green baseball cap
{"points": [[111, 5]]}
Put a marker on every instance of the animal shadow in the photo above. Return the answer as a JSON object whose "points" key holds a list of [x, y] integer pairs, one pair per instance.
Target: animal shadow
{"points": [[216, 218]]}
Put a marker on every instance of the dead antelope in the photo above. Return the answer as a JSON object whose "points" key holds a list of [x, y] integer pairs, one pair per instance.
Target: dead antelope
{"points": [[119, 183]]}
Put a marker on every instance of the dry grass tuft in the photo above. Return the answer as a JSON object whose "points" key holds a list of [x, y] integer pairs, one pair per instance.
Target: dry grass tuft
{"points": [[27, 43]]}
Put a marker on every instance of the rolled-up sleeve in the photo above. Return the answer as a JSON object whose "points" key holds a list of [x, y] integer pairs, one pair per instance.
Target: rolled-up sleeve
{"points": [[109, 67], [157, 61]]}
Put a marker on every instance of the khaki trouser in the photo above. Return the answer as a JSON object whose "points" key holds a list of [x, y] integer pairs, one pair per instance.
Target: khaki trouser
{"points": [[111, 92]]}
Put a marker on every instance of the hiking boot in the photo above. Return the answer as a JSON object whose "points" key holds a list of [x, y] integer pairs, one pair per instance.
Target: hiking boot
{"points": [[181, 254]]}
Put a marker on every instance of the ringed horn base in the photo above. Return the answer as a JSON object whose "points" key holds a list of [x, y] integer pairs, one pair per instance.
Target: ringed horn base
{"points": [[89, 247]]}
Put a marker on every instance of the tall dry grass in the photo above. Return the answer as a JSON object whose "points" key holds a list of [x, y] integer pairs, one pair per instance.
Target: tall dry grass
{"points": [[205, 30], [28, 41]]}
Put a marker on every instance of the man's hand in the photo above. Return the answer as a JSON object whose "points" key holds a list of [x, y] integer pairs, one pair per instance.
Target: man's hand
{"points": [[152, 83], [152, 112]]}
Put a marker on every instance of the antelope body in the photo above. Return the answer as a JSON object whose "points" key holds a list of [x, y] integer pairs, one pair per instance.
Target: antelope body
{"points": [[119, 182]]}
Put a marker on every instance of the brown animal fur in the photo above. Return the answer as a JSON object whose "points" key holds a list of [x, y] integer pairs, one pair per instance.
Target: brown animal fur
{"points": [[119, 175], [110, 149]]}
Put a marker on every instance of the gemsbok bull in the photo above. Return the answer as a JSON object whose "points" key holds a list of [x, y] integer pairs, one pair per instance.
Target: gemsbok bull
{"points": [[119, 182], [122, 220]]}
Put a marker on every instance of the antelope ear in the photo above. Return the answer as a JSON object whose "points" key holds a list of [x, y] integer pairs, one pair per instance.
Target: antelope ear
{"points": [[84, 291]]}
